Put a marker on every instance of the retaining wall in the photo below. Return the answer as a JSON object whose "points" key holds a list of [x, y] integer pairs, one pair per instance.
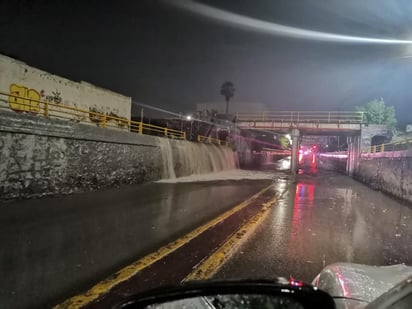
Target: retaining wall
{"points": [[392, 175], [41, 157], [389, 172]]}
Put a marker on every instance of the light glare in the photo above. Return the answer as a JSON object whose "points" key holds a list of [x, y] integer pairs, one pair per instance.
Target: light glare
{"points": [[249, 23]]}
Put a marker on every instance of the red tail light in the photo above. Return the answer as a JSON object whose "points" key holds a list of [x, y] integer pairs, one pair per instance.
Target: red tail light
{"points": [[295, 282]]}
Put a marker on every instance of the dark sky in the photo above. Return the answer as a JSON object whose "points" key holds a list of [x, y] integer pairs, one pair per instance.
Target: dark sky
{"points": [[165, 56]]}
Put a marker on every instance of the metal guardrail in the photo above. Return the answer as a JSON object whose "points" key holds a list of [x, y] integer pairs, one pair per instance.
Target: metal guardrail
{"points": [[33, 106], [302, 116], [397, 146]]}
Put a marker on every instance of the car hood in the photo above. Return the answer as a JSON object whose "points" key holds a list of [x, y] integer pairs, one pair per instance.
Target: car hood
{"points": [[360, 282]]}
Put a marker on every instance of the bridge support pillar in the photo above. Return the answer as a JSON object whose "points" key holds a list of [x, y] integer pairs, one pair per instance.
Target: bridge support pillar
{"points": [[295, 134], [353, 154]]}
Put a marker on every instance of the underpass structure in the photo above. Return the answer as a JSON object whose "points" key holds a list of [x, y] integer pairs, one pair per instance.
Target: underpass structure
{"points": [[96, 234], [58, 140], [300, 123]]}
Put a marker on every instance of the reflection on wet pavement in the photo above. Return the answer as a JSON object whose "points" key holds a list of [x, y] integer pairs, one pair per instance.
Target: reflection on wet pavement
{"points": [[324, 218], [72, 242], [54, 248]]}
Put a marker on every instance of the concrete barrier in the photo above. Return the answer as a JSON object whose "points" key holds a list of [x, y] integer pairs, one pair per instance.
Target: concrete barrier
{"points": [[389, 172], [391, 175]]}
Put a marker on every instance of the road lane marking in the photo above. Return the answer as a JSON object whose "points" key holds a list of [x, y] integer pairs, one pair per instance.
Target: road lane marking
{"points": [[208, 267], [128, 272]]}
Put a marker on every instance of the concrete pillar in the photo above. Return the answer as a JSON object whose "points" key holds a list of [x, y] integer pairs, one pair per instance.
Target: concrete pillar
{"points": [[353, 154], [295, 134], [349, 159]]}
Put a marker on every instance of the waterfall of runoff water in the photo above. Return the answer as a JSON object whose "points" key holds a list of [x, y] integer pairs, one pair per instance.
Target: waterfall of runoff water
{"points": [[182, 158]]}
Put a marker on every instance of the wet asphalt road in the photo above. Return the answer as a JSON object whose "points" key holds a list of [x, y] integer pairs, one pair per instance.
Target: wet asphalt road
{"points": [[54, 248], [324, 218]]}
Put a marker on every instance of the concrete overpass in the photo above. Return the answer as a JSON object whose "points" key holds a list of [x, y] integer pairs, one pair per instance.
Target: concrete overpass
{"points": [[298, 123]]}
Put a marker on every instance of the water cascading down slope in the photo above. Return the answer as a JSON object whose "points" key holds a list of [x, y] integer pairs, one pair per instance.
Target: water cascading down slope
{"points": [[181, 158]]}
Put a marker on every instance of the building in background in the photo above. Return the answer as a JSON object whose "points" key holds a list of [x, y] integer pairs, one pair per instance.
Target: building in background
{"points": [[27, 89]]}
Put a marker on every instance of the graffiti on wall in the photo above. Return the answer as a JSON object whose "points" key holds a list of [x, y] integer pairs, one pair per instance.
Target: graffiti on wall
{"points": [[23, 99], [55, 97], [96, 116], [121, 122]]}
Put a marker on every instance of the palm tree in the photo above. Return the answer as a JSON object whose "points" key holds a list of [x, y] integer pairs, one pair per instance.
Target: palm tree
{"points": [[227, 90]]}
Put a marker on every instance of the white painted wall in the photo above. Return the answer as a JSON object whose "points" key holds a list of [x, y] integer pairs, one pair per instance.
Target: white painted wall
{"points": [[24, 80]]}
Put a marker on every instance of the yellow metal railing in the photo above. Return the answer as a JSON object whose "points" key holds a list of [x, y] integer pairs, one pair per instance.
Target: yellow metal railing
{"points": [[34, 106], [396, 146], [48, 109], [303, 116]]}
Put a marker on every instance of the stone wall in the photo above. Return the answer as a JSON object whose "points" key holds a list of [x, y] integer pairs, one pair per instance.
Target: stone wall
{"points": [[41, 157], [391, 175], [389, 172], [34, 166], [369, 131]]}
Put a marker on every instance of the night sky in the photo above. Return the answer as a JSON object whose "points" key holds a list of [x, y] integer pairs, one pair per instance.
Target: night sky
{"points": [[162, 55]]}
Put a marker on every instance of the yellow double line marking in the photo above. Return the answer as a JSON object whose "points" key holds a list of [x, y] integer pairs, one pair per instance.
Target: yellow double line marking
{"points": [[208, 267], [128, 272]]}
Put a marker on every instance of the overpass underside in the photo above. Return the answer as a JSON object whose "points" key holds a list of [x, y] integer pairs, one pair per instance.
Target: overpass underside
{"points": [[298, 123], [305, 128], [299, 129]]}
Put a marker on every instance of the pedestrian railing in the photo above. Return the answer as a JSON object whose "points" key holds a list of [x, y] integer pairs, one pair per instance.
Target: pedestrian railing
{"points": [[396, 146], [302, 117], [47, 109]]}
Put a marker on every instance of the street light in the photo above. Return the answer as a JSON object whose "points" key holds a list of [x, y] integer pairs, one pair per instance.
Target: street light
{"points": [[189, 118]]}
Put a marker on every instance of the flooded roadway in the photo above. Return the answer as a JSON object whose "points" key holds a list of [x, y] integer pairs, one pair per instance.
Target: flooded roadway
{"points": [[55, 248], [324, 218]]}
